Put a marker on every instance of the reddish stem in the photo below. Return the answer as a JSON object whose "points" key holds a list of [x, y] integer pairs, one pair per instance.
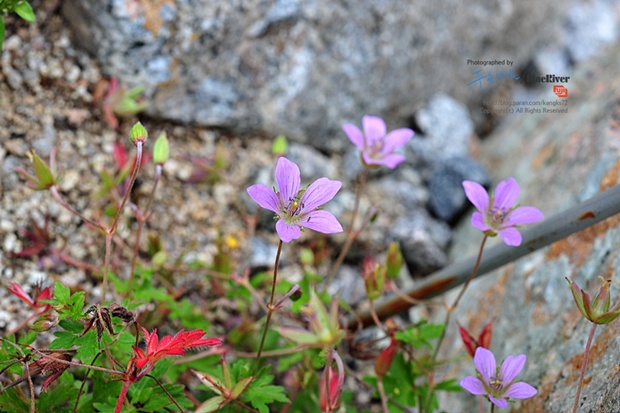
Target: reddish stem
{"points": [[584, 365]]}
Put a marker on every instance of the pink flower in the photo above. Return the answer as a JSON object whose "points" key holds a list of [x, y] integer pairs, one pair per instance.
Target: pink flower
{"points": [[296, 208], [498, 386], [499, 214], [377, 147]]}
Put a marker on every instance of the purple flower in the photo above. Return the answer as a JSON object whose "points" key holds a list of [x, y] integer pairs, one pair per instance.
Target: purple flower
{"points": [[498, 386], [377, 147], [499, 213], [297, 209]]}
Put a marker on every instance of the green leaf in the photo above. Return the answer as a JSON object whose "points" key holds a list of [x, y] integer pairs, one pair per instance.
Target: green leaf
{"points": [[211, 405], [24, 11], [260, 393], [420, 334], [2, 31], [61, 293]]}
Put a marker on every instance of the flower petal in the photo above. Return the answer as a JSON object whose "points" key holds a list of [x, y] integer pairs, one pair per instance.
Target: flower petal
{"points": [[523, 215], [396, 138], [520, 390], [485, 363], [506, 194], [499, 402], [288, 178], [287, 232], [264, 196], [477, 221], [392, 160], [511, 367], [321, 221], [511, 236], [477, 195], [355, 135], [318, 193], [374, 129], [473, 385]]}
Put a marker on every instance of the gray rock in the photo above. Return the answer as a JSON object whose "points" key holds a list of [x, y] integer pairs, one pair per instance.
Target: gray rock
{"points": [[423, 241], [263, 253], [446, 130], [303, 68], [566, 160], [312, 163], [588, 27], [446, 196]]}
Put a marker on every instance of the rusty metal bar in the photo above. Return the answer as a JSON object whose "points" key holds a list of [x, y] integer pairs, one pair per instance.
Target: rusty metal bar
{"points": [[575, 219]]}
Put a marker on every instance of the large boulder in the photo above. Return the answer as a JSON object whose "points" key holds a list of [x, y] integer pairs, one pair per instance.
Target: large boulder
{"points": [[559, 159], [304, 67]]}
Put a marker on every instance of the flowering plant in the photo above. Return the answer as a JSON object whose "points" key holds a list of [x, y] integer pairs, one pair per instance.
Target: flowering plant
{"points": [[498, 214], [295, 208], [376, 145]]}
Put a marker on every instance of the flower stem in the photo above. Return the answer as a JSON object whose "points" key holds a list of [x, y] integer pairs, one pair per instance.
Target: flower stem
{"points": [[110, 232], [270, 308], [122, 396], [142, 218], [384, 405], [584, 365], [69, 208], [458, 299], [492, 407], [351, 236]]}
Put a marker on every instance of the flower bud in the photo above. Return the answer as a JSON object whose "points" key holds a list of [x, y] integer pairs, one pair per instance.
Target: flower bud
{"points": [[138, 133], [394, 261], [597, 310], [374, 278], [161, 149], [384, 361]]}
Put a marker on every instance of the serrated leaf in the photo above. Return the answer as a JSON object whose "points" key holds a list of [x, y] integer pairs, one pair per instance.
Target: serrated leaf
{"points": [[259, 394], [24, 10], [61, 293]]}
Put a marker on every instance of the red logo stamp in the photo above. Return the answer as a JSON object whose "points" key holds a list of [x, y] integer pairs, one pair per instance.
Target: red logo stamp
{"points": [[560, 91]]}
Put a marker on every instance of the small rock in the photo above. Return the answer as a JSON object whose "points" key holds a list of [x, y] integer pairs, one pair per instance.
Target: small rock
{"points": [[446, 127], [446, 196], [312, 164], [589, 26], [263, 253], [423, 242]]}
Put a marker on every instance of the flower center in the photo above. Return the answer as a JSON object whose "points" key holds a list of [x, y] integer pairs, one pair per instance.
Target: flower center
{"points": [[375, 147], [498, 214], [294, 206], [496, 384]]}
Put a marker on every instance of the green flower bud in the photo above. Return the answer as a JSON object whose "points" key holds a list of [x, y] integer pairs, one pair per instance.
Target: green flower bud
{"points": [[394, 261], [138, 133], [161, 149]]}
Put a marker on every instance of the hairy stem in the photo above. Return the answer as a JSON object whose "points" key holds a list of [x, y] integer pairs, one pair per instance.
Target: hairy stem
{"points": [[270, 308], [457, 300], [142, 218], [110, 232], [384, 405], [351, 236], [584, 365]]}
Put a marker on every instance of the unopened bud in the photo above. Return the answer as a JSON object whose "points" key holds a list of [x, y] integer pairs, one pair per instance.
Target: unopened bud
{"points": [[45, 322], [394, 261], [374, 278], [138, 133], [384, 361], [161, 149]]}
